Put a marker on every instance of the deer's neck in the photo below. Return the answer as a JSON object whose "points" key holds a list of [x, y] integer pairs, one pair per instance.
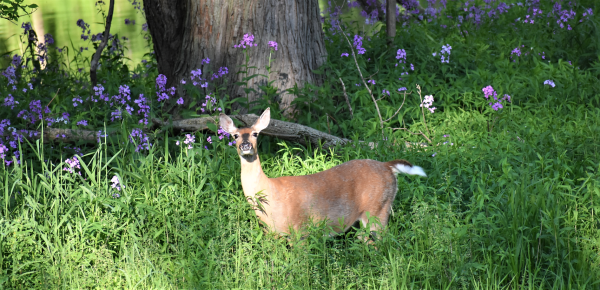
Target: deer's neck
{"points": [[253, 177]]}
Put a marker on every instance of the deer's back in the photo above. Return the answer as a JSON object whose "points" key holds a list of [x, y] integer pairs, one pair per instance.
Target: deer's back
{"points": [[344, 191]]}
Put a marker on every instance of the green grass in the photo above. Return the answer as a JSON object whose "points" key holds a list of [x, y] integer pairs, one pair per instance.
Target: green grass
{"points": [[494, 212]]}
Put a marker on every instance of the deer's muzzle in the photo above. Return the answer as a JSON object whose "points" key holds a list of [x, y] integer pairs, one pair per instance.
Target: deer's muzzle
{"points": [[246, 148]]}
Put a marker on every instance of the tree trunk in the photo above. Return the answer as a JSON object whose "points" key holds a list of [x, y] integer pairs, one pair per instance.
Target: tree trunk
{"points": [[185, 32]]}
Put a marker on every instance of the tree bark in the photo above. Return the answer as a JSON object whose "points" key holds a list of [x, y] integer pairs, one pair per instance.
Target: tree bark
{"points": [[185, 32], [390, 21]]}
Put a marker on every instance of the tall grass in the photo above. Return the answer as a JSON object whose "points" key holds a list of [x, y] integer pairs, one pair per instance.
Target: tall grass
{"points": [[509, 209]]}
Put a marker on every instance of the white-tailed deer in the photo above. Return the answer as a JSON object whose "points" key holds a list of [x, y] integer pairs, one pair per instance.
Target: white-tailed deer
{"points": [[341, 195]]}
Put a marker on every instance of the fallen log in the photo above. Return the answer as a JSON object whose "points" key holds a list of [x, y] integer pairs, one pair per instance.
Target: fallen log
{"points": [[56, 134], [281, 129]]}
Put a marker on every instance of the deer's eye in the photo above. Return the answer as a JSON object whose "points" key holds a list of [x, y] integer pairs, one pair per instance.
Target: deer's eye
{"points": [[235, 136], [255, 134]]}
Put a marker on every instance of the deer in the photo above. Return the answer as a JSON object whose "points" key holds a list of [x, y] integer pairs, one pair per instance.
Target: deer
{"points": [[339, 197]]}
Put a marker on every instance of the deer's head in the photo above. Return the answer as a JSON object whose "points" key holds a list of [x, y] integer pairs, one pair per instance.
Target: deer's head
{"points": [[245, 138]]}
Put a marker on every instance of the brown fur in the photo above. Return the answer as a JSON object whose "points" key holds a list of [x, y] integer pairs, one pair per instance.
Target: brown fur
{"points": [[345, 193]]}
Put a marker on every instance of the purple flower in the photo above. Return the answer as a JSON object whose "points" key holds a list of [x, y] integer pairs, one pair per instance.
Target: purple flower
{"points": [[371, 82], [196, 74], [180, 101], [10, 74], [72, 164], [26, 27], [550, 83], [358, 44], [127, 21], [144, 108], [138, 137], [206, 61], [82, 123], [497, 106], [385, 92], [516, 51], [345, 54], [402, 89], [489, 92], [82, 25], [247, 40], [10, 101], [16, 60], [161, 81], [401, 55], [48, 39], [273, 44], [116, 184], [145, 27], [189, 140], [209, 140]]}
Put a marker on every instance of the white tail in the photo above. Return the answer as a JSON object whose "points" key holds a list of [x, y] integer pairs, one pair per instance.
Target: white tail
{"points": [[342, 195]]}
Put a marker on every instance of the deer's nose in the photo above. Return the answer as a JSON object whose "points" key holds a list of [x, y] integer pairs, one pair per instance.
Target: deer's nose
{"points": [[246, 146]]}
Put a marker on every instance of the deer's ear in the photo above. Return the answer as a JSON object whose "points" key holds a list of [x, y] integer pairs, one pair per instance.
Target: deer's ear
{"points": [[227, 124], [263, 121]]}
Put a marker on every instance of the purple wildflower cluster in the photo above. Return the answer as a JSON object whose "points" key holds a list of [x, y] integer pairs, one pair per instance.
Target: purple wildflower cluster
{"points": [[247, 40], [210, 105], [345, 54], [427, 103], [84, 26], [358, 44], [222, 71], [3, 151], [144, 108], [370, 18], [445, 53], [189, 141], [401, 57], [161, 91], [72, 164], [489, 93], [116, 184], [221, 134], [515, 53], [138, 137], [273, 44], [10, 102], [196, 77], [35, 112]]}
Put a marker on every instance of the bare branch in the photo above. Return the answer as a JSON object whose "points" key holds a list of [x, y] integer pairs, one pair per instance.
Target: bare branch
{"points": [[398, 108], [420, 133], [347, 100], [96, 57], [363, 79]]}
